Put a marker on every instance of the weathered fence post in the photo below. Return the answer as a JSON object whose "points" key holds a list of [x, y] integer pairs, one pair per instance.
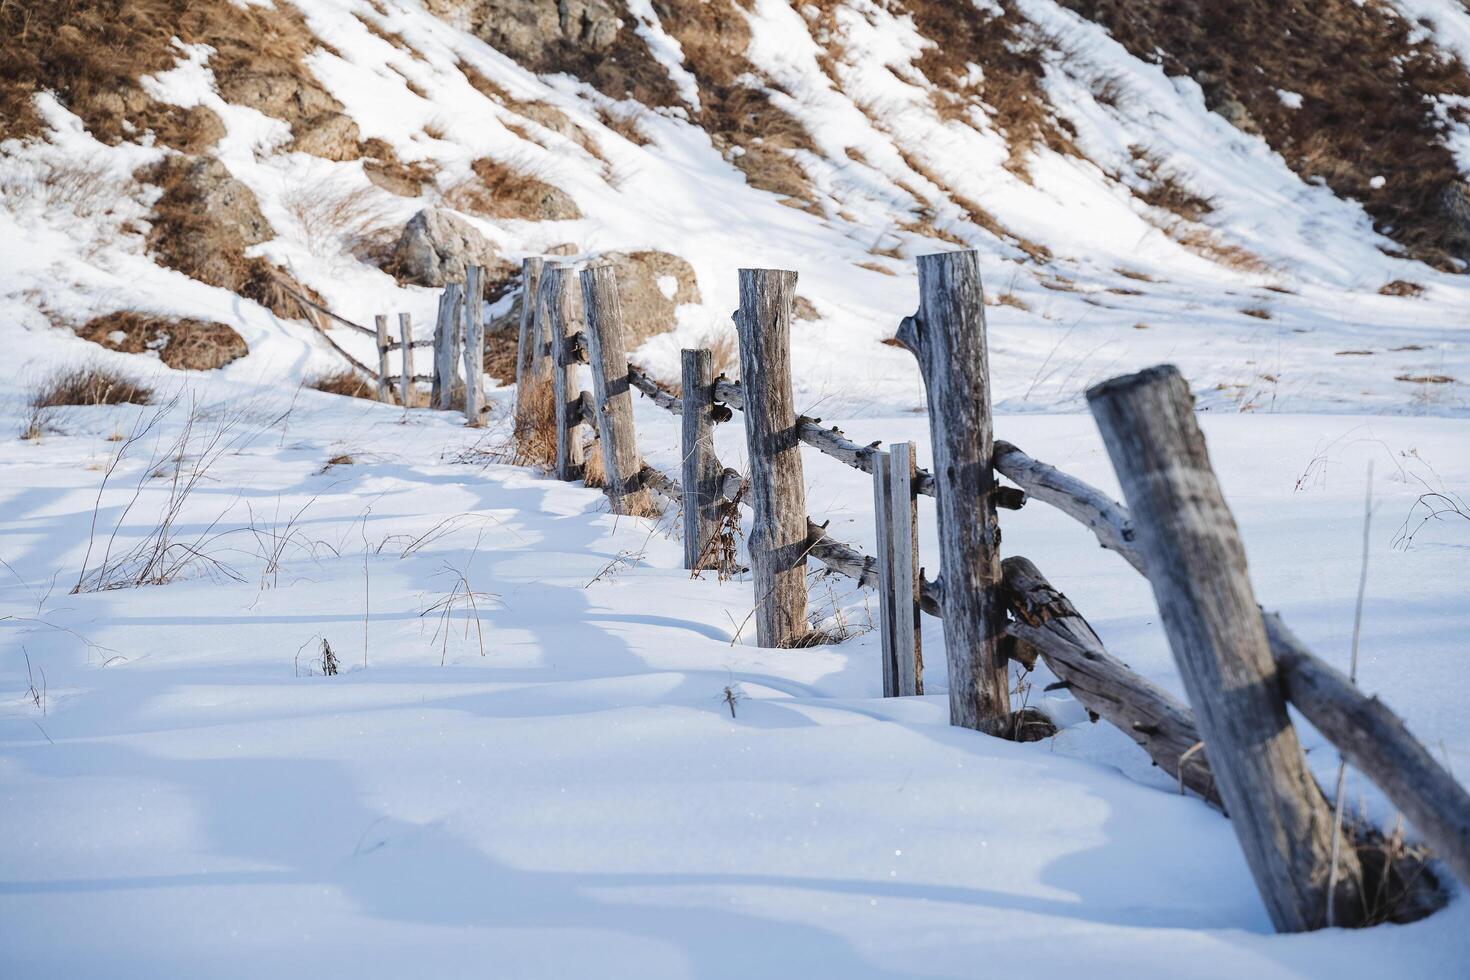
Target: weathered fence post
{"points": [[474, 345], [562, 326], [446, 333], [699, 472], [531, 269], [385, 389], [610, 391], [898, 570], [778, 532], [947, 336], [1196, 566], [405, 336]]}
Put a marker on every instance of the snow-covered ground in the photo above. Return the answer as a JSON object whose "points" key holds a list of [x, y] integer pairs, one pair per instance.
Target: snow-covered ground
{"points": [[550, 782], [194, 798]]}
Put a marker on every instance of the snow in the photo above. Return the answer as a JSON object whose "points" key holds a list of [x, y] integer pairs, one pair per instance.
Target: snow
{"points": [[194, 798]]}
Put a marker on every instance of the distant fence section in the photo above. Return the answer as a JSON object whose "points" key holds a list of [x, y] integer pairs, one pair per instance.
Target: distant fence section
{"points": [[1234, 744]]}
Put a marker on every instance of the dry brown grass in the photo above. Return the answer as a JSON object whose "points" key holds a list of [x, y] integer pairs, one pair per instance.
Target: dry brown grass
{"points": [[384, 169], [963, 34], [534, 434], [1010, 299], [347, 383], [1372, 86], [89, 384], [337, 220], [510, 189], [91, 53], [182, 343], [1401, 287], [1259, 312]]}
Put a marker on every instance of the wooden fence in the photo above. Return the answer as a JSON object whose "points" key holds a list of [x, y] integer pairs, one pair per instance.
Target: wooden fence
{"points": [[1237, 748]]}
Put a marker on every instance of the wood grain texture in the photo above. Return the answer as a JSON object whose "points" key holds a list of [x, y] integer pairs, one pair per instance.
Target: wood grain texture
{"points": [[778, 533], [1046, 621], [530, 288], [1376, 741], [563, 323], [473, 352], [446, 337], [699, 470], [611, 397], [385, 387], [897, 524], [1108, 520], [405, 372], [1197, 568], [947, 336]]}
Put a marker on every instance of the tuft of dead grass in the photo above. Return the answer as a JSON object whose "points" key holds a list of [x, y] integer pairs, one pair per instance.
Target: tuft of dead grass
{"points": [[336, 220], [534, 434], [347, 383], [182, 343], [89, 384], [510, 190], [1401, 287]]}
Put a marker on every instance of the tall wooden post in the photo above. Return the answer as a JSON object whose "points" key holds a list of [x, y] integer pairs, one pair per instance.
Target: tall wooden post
{"points": [[405, 336], [947, 335], [541, 357], [898, 570], [611, 396], [1196, 565], [699, 472], [531, 269], [385, 388], [778, 532], [446, 336], [474, 345], [562, 324]]}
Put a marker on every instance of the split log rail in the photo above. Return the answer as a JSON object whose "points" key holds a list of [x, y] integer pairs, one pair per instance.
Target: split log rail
{"points": [[1236, 747]]}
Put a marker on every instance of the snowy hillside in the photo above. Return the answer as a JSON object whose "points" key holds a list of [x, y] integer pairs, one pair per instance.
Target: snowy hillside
{"points": [[300, 684]]}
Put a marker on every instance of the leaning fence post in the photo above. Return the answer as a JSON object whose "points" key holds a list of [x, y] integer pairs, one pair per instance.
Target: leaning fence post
{"points": [[1197, 568], [531, 269], [611, 396], [898, 570], [405, 335], [699, 473], [385, 390], [947, 336], [561, 322], [778, 532], [474, 345], [446, 333]]}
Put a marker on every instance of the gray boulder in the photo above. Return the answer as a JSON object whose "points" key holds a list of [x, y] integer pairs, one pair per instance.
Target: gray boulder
{"points": [[436, 247]]}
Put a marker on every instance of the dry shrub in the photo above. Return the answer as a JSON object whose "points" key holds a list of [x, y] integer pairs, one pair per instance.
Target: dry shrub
{"points": [[336, 220], [1401, 287], [182, 343], [1259, 312], [1373, 88], [1207, 243], [1164, 187], [594, 471], [345, 382], [623, 120], [534, 434], [89, 384], [1010, 299], [85, 188], [510, 190]]}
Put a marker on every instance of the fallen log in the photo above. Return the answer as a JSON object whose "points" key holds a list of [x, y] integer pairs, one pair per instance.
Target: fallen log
{"points": [[1046, 621]]}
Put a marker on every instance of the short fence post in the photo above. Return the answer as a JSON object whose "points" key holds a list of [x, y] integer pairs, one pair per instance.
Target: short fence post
{"points": [[898, 570], [385, 388], [474, 345], [778, 533], [1196, 565], [531, 269], [446, 333], [405, 335], [947, 336], [611, 397], [699, 474], [562, 327]]}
